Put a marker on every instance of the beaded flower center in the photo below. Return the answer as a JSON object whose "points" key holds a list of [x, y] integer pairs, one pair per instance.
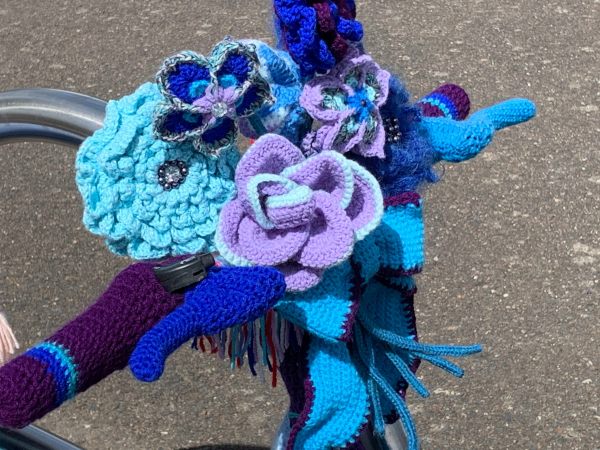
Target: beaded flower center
{"points": [[171, 174]]}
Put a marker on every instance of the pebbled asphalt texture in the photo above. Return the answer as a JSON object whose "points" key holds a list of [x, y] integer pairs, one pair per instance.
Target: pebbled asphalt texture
{"points": [[513, 240]]}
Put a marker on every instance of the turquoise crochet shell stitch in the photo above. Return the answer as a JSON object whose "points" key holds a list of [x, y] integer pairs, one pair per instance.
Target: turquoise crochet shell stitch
{"points": [[117, 176]]}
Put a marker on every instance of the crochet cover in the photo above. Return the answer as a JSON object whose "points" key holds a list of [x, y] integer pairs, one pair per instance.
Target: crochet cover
{"points": [[320, 219]]}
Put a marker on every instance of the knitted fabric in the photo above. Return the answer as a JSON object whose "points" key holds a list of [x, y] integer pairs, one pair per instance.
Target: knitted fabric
{"points": [[300, 215], [117, 176], [228, 296], [86, 350], [204, 97], [447, 100], [379, 362], [346, 101], [317, 33], [285, 116], [457, 141]]}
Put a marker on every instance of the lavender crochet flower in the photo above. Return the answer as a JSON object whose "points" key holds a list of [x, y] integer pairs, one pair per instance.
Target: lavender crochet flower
{"points": [[347, 102], [205, 96], [300, 215]]}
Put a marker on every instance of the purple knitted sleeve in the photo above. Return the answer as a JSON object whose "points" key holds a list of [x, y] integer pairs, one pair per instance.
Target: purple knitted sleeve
{"points": [[87, 349]]}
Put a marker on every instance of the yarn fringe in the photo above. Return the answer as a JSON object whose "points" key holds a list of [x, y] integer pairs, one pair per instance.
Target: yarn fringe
{"points": [[8, 342], [260, 344]]}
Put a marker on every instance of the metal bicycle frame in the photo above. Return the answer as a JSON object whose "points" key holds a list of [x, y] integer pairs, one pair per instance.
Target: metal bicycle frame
{"points": [[62, 117]]}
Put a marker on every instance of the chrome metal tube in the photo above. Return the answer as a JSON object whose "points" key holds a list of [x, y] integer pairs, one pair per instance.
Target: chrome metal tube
{"points": [[20, 132], [51, 114], [33, 438]]}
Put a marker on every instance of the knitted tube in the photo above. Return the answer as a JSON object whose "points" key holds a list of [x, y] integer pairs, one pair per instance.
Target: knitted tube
{"points": [[227, 297], [86, 350], [457, 141]]}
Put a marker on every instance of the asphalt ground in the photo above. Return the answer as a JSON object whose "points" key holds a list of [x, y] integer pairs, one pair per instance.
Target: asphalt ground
{"points": [[512, 237]]}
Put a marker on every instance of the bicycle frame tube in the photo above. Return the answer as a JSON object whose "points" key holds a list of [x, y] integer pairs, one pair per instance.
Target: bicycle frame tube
{"points": [[49, 115]]}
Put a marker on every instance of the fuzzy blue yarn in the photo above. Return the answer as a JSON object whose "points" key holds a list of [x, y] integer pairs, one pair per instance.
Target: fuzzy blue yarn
{"points": [[228, 296], [183, 76], [117, 176], [409, 163]]}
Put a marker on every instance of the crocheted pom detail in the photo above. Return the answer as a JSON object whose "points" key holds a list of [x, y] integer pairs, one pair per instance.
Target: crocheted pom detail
{"points": [[118, 178]]}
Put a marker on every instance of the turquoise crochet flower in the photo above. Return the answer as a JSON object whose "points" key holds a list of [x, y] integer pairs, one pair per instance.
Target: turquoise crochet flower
{"points": [[140, 210], [204, 97]]}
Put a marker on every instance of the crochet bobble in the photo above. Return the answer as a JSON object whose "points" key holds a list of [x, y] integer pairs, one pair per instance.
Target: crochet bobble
{"points": [[118, 176]]}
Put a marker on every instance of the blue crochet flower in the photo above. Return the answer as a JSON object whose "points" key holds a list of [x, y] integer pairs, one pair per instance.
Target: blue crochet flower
{"points": [[317, 33], [118, 175], [284, 117], [204, 97]]}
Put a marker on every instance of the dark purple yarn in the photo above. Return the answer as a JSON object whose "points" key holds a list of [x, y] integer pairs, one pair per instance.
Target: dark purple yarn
{"points": [[99, 341], [455, 97]]}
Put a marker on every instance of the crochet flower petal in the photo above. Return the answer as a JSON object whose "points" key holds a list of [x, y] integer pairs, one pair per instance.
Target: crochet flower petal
{"points": [[366, 208], [234, 63], [220, 135], [328, 172], [381, 87], [257, 96], [178, 123], [269, 154], [217, 101], [331, 236], [243, 242], [328, 134], [320, 98], [184, 77], [299, 278], [270, 247], [292, 209], [374, 146]]}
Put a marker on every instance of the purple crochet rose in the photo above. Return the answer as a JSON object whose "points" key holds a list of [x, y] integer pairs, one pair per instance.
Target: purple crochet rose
{"points": [[297, 214], [347, 101]]}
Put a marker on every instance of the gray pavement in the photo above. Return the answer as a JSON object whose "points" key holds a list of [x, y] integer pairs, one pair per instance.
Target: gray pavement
{"points": [[513, 237]]}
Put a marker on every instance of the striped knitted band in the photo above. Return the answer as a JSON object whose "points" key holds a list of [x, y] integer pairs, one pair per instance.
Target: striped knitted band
{"points": [[443, 103], [61, 366]]}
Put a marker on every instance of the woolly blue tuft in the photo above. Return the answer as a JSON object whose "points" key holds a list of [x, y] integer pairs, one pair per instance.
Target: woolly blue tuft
{"points": [[117, 176], [409, 163]]}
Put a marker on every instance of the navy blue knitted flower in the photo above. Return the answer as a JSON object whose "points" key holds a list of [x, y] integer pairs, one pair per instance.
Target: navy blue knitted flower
{"points": [[204, 97], [317, 33]]}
